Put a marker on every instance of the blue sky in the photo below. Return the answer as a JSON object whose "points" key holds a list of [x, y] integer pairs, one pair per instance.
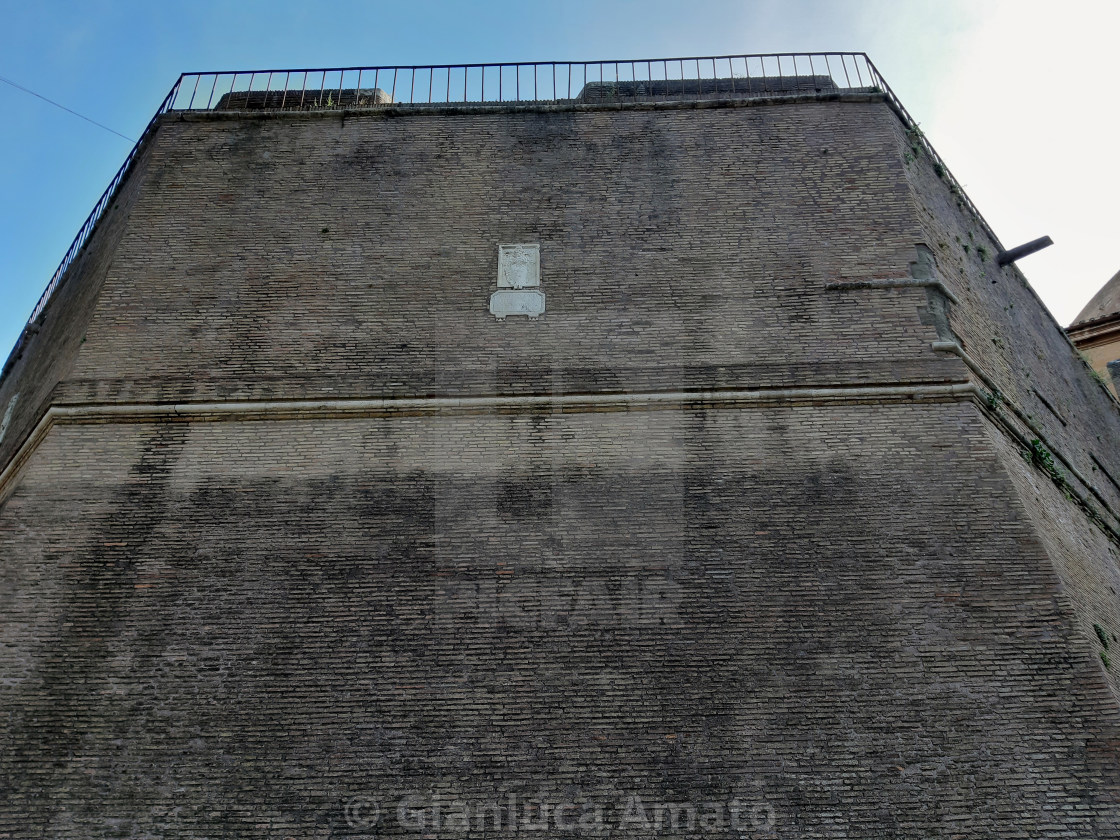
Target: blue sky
{"points": [[1005, 91]]}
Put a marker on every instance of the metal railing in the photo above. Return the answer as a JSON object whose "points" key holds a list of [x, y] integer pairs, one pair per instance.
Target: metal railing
{"points": [[529, 82], [667, 80], [95, 214]]}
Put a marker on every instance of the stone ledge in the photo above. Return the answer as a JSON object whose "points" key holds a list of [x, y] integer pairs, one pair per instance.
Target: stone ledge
{"points": [[442, 406], [901, 283], [444, 109]]}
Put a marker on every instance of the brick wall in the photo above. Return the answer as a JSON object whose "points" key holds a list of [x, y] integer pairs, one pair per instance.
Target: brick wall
{"points": [[1003, 325], [56, 336], [256, 622], [838, 595], [325, 256]]}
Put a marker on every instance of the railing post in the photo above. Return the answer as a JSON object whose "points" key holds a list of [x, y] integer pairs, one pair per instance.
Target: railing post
{"points": [[190, 105]]}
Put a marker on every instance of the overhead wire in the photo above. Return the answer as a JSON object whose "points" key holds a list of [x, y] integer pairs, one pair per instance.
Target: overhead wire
{"points": [[64, 108]]}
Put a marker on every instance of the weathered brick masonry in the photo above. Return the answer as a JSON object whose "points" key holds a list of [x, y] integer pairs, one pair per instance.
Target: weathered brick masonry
{"points": [[290, 518]]}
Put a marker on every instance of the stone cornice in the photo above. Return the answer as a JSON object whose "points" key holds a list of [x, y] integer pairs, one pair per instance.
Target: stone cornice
{"points": [[575, 403]]}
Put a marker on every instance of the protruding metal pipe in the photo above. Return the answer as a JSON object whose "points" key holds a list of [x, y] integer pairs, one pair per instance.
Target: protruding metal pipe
{"points": [[1007, 257]]}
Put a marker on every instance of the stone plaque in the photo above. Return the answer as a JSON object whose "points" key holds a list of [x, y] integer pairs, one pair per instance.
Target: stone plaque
{"points": [[517, 302], [519, 266], [519, 276]]}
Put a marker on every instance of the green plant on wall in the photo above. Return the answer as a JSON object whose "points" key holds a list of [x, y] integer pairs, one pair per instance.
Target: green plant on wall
{"points": [[1042, 458], [914, 139], [1093, 372]]}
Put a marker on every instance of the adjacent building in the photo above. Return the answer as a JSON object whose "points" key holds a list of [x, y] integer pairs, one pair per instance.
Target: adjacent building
{"points": [[1096, 332]]}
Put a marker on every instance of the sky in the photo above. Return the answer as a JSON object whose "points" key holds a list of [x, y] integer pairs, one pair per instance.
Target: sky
{"points": [[1017, 97]]}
